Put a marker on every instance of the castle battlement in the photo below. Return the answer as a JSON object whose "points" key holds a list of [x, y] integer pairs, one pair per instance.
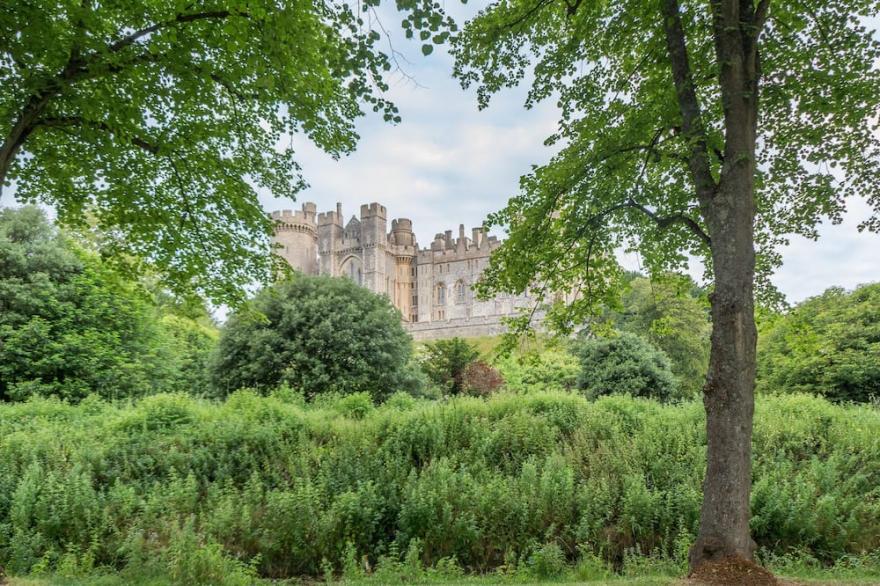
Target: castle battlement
{"points": [[373, 210], [303, 217]]}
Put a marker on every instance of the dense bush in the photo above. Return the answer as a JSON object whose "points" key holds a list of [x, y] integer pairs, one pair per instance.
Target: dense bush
{"points": [[274, 485], [446, 361], [317, 335], [69, 326], [552, 369], [828, 345], [672, 313], [624, 364]]}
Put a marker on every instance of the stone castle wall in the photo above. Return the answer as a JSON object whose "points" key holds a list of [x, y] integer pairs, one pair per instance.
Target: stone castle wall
{"points": [[432, 286]]}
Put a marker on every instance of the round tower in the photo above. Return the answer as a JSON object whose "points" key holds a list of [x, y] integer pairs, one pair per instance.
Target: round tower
{"points": [[405, 296], [296, 234]]}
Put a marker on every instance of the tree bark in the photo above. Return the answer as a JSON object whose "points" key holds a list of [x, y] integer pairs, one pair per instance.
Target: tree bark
{"points": [[728, 209], [729, 392]]}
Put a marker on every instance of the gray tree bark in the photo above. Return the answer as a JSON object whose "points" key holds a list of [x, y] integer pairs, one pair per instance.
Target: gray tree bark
{"points": [[728, 209]]}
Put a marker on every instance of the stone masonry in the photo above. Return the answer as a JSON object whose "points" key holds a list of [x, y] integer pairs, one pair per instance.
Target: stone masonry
{"points": [[431, 286]]}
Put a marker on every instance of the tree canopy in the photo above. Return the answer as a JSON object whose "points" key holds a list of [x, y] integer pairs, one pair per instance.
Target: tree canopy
{"points": [[70, 327], [828, 345], [623, 173], [161, 119]]}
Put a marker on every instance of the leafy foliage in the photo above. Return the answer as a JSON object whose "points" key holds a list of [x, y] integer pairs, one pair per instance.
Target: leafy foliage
{"points": [[625, 364], [162, 118], [70, 327], [673, 314], [624, 173], [446, 361], [828, 345], [551, 369], [317, 335], [201, 489]]}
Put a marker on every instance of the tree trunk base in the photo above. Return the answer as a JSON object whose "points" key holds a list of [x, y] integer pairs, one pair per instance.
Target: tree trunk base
{"points": [[730, 571]]}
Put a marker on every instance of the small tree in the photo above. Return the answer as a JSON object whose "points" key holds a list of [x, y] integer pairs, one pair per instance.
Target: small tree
{"points": [[625, 364], [672, 313], [446, 362], [316, 334], [481, 379]]}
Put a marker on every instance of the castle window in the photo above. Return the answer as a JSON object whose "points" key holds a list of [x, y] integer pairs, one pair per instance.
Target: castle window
{"points": [[441, 294], [351, 268], [460, 292]]}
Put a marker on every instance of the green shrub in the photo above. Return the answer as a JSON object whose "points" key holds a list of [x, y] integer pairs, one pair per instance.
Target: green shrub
{"points": [[547, 561], [318, 335], [553, 369], [828, 345], [624, 364], [216, 492], [69, 326]]}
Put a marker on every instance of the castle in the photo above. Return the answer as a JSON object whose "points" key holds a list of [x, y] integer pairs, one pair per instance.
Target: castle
{"points": [[432, 286]]}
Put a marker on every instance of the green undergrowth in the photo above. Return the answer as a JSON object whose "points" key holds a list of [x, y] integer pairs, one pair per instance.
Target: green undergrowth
{"points": [[520, 487]]}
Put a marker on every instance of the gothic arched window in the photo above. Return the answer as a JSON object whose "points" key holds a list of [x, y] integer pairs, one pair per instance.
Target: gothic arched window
{"points": [[351, 268], [460, 292], [441, 294]]}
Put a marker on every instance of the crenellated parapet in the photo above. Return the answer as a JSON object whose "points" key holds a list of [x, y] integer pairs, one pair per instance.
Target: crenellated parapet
{"points": [[296, 237]]}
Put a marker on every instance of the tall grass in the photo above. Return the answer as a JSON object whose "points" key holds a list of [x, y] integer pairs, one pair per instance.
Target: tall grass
{"points": [[271, 486]]}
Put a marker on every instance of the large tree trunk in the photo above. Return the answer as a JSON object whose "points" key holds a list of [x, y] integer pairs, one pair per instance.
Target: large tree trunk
{"points": [[729, 391], [729, 213]]}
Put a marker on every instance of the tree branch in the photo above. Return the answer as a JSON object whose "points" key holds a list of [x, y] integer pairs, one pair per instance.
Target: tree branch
{"points": [[666, 221], [180, 18], [691, 114], [68, 121], [529, 13], [760, 17]]}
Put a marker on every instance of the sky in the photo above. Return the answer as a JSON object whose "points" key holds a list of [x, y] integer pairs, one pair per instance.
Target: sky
{"points": [[447, 163]]}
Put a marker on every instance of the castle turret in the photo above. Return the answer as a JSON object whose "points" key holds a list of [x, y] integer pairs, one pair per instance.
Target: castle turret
{"points": [[405, 248], [374, 242], [296, 238], [329, 239]]}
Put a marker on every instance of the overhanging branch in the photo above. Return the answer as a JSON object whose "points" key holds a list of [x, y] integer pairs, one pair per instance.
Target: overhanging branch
{"points": [[69, 121], [666, 221], [130, 39]]}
